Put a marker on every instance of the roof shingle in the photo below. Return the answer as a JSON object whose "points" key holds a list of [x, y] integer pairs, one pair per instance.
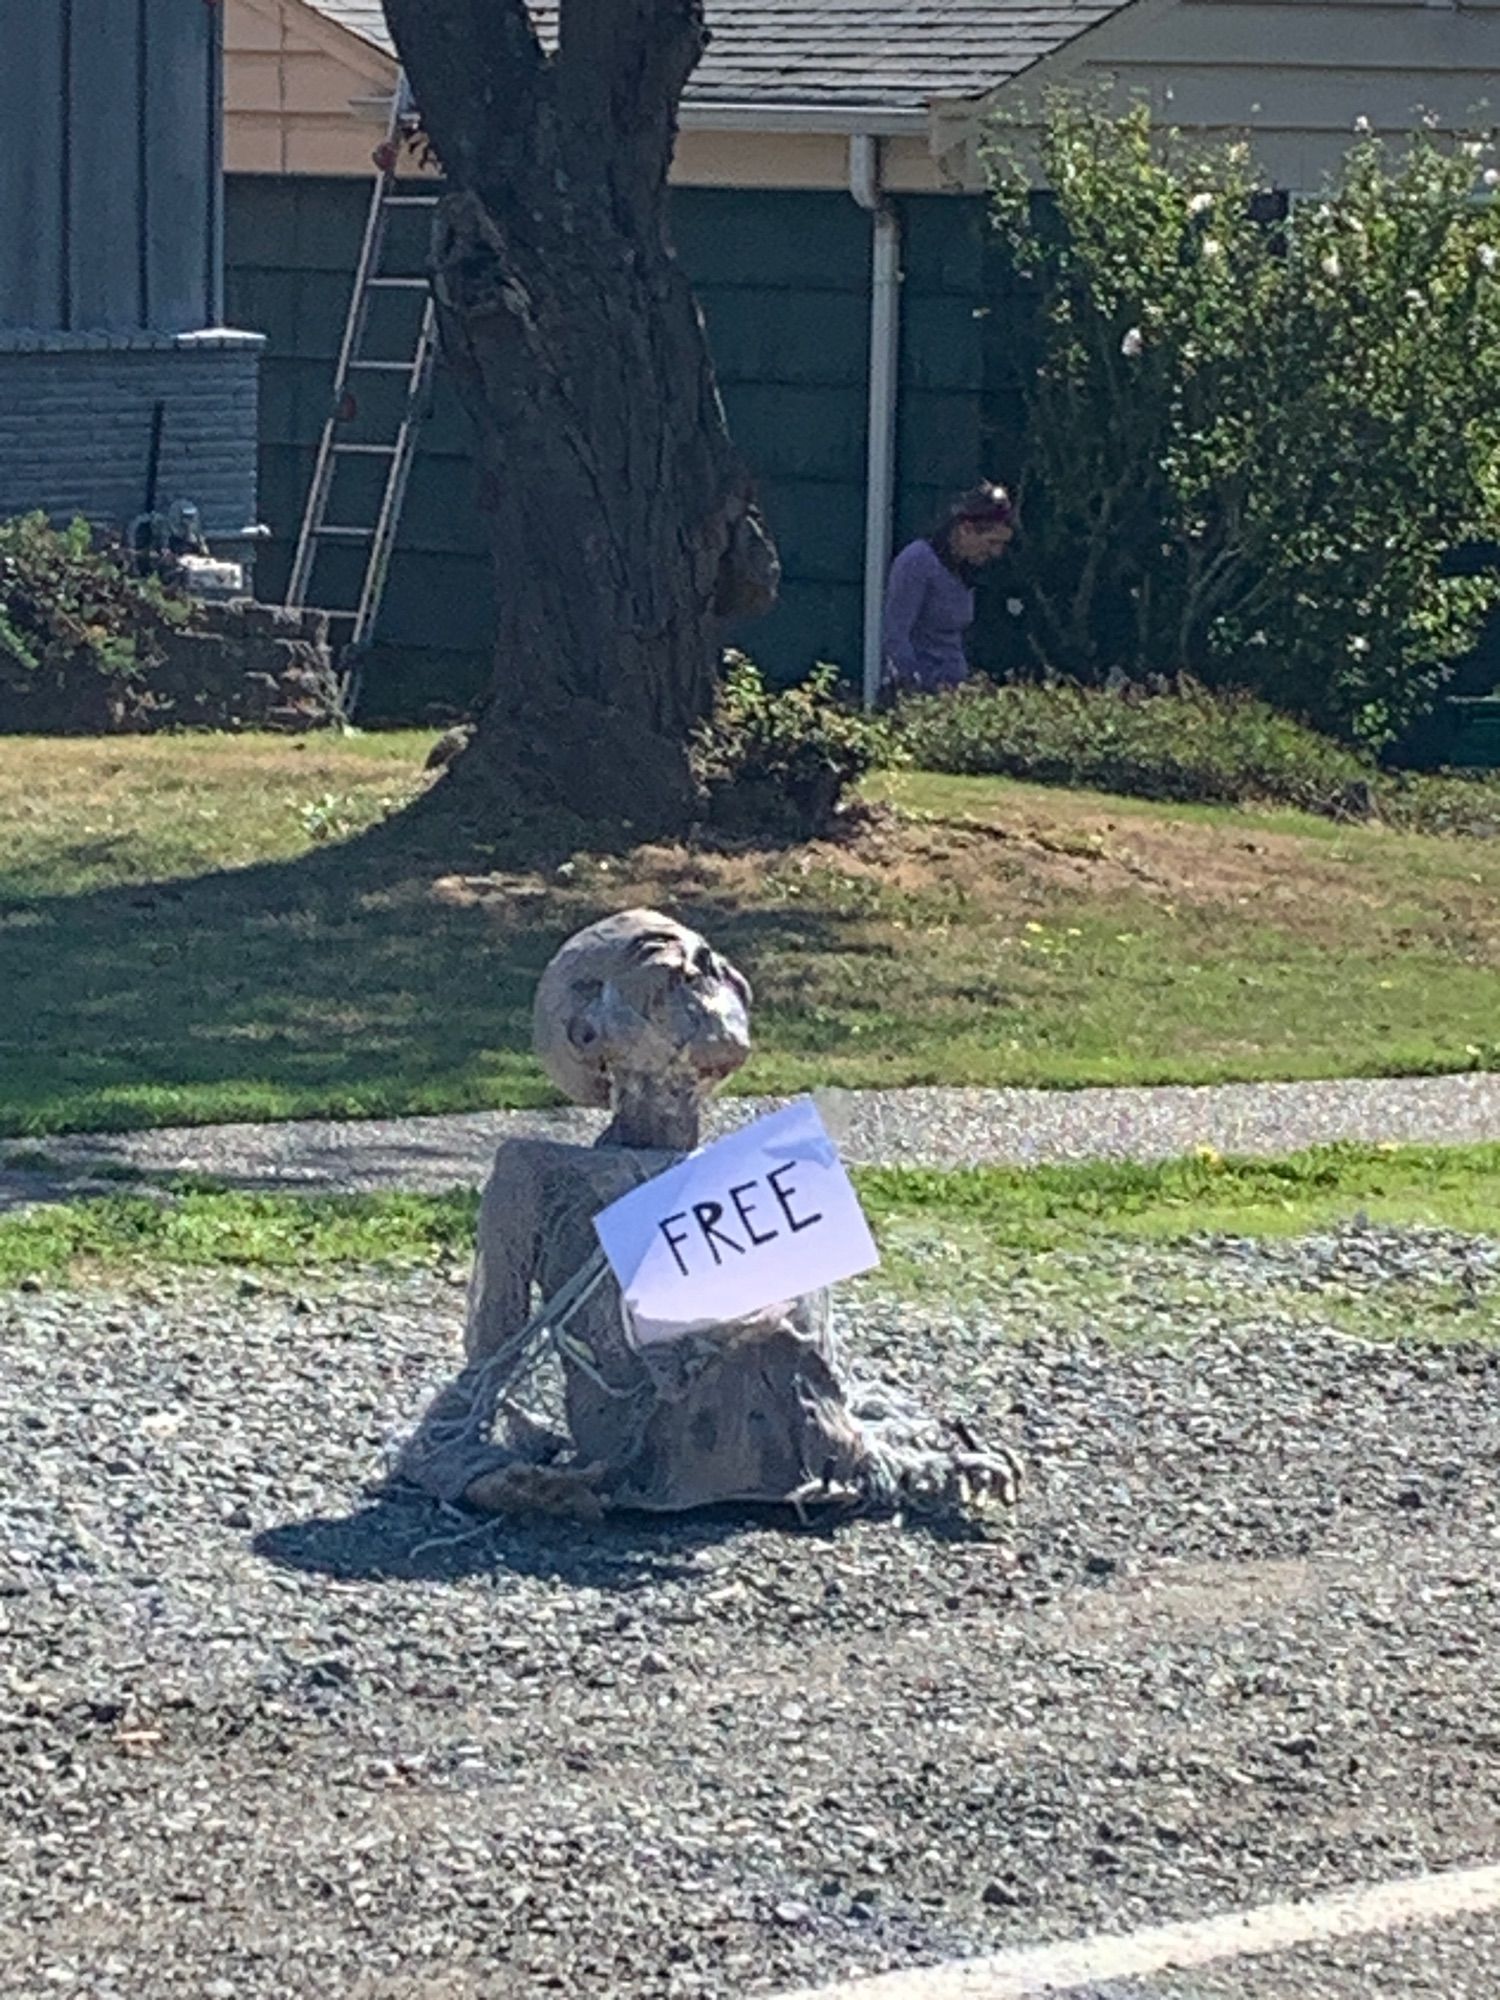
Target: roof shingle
{"points": [[894, 54]]}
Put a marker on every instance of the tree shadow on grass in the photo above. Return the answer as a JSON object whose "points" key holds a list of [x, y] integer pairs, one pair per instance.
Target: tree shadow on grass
{"points": [[344, 983]]}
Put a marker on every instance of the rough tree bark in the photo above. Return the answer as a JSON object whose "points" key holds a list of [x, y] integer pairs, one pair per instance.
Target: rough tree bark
{"points": [[623, 526]]}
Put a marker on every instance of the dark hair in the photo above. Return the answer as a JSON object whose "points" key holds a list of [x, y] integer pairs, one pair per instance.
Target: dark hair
{"points": [[985, 505]]}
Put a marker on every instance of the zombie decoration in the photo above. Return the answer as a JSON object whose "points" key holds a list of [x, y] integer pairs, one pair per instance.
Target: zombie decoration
{"points": [[559, 1407]]}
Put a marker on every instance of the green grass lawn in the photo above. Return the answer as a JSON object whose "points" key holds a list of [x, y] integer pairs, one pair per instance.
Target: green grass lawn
{"points": [[943, 1235], [199, 928]]}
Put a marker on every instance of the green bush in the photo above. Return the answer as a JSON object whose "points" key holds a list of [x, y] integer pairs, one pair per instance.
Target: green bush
{"points": [[1191, 745], [780, 762], [1251, 446], [1443, 802], [1194, 744], [80, 633]]}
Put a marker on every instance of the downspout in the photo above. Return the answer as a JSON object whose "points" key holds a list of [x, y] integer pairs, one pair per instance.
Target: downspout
{"points": [[885, 345], [213, 248]]}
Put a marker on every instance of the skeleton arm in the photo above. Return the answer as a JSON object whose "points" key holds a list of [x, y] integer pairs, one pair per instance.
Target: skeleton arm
{"points": [[508, 1248], [454, 1444]]}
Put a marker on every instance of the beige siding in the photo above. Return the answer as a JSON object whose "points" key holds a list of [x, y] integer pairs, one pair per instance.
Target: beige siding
{"points": [[796, 160], [294, 84], [760, 159], [1292, 74]]}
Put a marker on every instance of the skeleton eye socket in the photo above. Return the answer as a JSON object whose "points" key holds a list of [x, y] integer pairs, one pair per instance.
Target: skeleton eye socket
{"points": [[653, 944], [582, 1032]]}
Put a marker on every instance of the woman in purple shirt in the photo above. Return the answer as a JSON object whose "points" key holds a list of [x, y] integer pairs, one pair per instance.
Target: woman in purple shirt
{"points": [[929, 599]]}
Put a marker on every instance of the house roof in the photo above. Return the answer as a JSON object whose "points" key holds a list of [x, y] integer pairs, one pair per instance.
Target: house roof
{"points": [[894, 55]]}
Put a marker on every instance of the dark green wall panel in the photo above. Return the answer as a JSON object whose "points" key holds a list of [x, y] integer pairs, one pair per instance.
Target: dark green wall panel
{"points": [[812, 622], [944, 244], [444, 501], [783, 281], [788, 432], [941, 345], [805, 338], [790, 240], [820, 524], [409, 684], [294, 223], [421, 581], [938, 439]]}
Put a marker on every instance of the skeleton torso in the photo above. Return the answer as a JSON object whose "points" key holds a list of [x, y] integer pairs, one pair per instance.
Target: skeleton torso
{"points": [[730, 1415]]}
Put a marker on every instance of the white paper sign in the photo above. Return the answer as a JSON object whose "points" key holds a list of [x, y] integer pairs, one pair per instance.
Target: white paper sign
{"points": [[755, 1220]]}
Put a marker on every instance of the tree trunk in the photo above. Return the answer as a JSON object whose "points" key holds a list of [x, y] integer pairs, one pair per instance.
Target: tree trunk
{"points": [[623, 526]]}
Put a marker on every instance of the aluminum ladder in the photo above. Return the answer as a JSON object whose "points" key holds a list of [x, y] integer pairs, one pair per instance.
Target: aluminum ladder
{"points": [[398, 449]]}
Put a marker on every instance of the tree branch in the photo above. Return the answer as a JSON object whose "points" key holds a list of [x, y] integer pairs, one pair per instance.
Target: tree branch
{"points": [[622, 66], [478, 72], [657, 40]]}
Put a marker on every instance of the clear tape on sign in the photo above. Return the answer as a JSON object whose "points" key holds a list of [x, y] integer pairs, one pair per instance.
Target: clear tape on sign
{"points": [[738, 1229], [836, 1109]]}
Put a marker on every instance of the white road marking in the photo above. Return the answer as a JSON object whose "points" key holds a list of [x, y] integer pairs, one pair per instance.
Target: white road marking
{"points": [[1032, 1971]]}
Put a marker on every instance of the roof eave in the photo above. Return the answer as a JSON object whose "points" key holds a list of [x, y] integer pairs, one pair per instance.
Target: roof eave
{"points": [[877, 121], [1057, 67]]}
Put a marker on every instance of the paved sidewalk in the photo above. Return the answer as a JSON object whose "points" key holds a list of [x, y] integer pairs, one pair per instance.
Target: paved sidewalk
{"points": [[924, 1127]]}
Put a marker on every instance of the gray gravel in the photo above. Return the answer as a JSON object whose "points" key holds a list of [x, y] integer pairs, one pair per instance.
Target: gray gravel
{"points": [[256, 1740], [1452, 1961], [940, 1128]]}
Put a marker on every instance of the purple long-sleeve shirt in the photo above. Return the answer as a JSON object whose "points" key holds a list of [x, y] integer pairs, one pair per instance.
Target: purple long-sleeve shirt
{"points": [[927, 611]]}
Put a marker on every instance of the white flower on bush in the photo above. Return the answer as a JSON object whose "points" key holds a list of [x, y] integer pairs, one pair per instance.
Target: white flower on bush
{"points": [[1359, 644], [1491, 177], [1488, 256], [1331, 267], [1212, 247], [1200, 203], [1014, 606], [1133, 345]]}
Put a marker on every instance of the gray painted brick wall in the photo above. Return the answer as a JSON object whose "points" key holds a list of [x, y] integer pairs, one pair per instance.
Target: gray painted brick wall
{"points": [[75, 424]]}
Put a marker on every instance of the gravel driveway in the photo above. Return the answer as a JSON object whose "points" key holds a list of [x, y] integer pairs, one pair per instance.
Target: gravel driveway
{"points": [[930, 1127], [257, 1740]]}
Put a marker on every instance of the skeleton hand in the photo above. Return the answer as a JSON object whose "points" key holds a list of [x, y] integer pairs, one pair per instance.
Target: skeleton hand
{"points": [[989, 1477], [942, 1481]]}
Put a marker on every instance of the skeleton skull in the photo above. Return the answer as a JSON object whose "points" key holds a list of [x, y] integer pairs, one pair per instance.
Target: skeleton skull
{"points": [[638, 995]]}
